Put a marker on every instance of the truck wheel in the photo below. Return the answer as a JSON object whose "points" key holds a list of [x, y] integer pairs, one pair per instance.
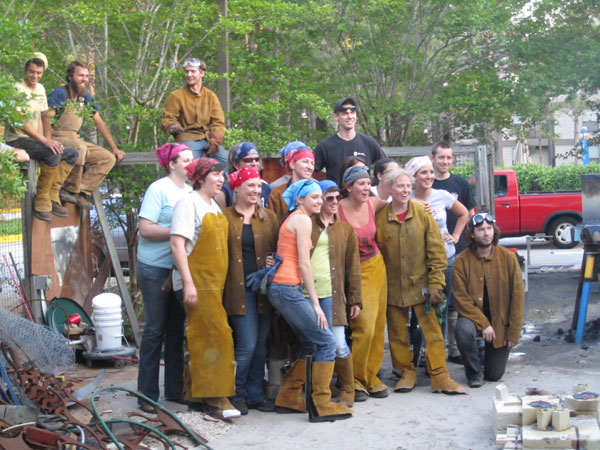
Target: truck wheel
{"points": [[560, 231]]}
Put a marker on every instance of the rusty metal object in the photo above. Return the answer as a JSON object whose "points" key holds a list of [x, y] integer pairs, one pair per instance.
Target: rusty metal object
{"points": [[54, 397]]}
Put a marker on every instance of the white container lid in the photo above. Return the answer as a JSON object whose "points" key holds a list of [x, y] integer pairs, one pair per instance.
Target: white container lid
{"points": [[106, 300]]}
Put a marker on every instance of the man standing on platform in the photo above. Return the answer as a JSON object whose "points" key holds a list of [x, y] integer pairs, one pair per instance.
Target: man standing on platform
{"points": [[69, 104], [330, 152], [193, 115]]}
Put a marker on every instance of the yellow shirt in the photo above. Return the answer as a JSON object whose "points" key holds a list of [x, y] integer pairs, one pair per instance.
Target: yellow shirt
{"points": [[321, 268], [37, 103]]}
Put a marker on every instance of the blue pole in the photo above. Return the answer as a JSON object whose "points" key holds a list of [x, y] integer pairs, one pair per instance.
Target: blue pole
{"points": [[583, 304]]}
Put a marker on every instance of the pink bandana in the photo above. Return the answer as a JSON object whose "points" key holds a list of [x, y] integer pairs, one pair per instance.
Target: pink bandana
{"points": [[168, 151], [238, 177]]}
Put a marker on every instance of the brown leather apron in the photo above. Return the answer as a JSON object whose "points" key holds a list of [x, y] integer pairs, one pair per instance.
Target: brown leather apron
{"points": [[209, 338]]}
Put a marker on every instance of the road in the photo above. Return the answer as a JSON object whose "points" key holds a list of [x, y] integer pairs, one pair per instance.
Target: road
{"points": [[543, 256]]}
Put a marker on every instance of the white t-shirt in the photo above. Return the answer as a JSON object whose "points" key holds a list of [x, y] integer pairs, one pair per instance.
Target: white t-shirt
{"points": [[441, 201], [187, 220], [157, 206], [376, 193], [36, 105]]}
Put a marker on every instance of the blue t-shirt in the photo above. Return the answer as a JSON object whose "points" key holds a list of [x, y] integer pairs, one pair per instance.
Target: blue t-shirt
{"points": [[157, 206], [59, 96]]}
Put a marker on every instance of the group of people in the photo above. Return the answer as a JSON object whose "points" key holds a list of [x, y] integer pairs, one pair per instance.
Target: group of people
{"points": [[336, 261], [50, 134], [302, 273]]}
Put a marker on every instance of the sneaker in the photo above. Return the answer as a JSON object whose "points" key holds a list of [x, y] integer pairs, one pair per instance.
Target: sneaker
{"points": [[59, 210], [240, 405], [265, 405], [475, 382], [378, 394], [456, 359], [360, 396]]}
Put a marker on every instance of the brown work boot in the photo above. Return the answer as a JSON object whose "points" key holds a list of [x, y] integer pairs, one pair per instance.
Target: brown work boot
{"points": [[62, 172], [59, 210], [42, 205], [75, 198], [345, 373], [318, 394], [289, 399], [407, 382]]}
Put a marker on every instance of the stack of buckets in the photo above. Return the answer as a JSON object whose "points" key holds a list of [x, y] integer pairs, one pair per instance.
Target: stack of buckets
{"points": [[108, 321]]}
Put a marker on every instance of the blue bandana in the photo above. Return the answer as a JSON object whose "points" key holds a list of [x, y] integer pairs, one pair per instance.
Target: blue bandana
{"points": [[327, 184], [245, 149], [299, 189]]}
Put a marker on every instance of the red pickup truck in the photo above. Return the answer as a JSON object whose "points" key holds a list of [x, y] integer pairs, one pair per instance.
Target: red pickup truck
{"points": [[527, 213]]}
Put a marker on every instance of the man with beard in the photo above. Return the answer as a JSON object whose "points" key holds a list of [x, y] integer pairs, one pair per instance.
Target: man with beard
{"points": [[330, 152], [489, 297], [193, 115], [56, 160], [69, 105]]}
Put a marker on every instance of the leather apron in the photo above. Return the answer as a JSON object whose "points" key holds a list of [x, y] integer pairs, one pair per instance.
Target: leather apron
{"points": [[209, 337]]}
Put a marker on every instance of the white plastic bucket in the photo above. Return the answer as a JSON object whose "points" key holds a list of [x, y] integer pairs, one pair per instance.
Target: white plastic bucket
{"points": [[108, 321]]}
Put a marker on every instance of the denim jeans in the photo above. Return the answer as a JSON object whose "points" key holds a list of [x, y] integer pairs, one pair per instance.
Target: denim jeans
{"points": [[250, 333], [448, 292], [339, 332], [197, 148], [300, 315], [490, 365], [39, 152], [165, 319]]}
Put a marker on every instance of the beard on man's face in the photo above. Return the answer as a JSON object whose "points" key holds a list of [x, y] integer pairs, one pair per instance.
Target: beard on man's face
{"points": [[80, 89]]}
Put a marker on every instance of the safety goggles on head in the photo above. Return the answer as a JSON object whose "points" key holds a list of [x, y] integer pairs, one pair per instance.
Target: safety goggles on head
{"points": [[194, 62], [478, 219]]}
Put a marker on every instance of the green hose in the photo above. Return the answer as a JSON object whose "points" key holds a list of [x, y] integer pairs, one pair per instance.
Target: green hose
{"points": [[154, 430]]}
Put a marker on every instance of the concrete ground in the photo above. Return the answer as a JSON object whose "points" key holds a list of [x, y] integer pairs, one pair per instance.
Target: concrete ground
{"points": [[420, 419]]}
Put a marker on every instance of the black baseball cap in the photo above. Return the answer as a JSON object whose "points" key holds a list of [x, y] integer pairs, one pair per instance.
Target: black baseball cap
{"points": [[342, 102]]}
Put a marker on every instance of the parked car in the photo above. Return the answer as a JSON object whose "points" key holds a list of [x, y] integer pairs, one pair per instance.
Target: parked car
{"points": [[528, 213]]}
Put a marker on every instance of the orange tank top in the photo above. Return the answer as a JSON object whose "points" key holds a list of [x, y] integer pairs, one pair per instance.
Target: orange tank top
{"points": [[289, 270]]}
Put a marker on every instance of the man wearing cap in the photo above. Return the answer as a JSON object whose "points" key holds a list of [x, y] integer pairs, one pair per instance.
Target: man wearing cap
{"points": [[68, 105], [330, 152], [489, 296], [193, 115], [56, 160]]}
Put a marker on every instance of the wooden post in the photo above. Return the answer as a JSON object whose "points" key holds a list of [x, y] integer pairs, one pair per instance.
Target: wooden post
{"points": [[114, 258], [27, 229]]}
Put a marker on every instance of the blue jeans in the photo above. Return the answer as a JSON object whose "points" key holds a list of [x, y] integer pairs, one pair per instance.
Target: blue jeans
{"points": [[197, 148], [300, 315], [165, 319], [448, 292], [339, 332], [480, 358], [250, 332]]}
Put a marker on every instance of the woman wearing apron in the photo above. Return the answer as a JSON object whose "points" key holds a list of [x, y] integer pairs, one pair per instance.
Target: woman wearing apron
{"points": [[358, 209], [199, 245]]}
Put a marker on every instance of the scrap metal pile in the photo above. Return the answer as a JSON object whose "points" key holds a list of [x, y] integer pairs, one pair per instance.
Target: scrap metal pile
{"points": [[46, 415]]}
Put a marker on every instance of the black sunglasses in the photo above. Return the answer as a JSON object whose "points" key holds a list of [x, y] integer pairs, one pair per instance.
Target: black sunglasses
{"points": [[331, 198], [344, 109], [478, 219], [249, 160]]}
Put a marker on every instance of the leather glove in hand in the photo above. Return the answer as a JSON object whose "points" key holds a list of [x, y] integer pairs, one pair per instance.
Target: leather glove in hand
{"points": [[215, 140], [436, 296], [174, 129]]}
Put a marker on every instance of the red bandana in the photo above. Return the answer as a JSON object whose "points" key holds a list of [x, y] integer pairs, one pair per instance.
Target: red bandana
{"points": [[198, 167], [238, 177], [296, 155]]}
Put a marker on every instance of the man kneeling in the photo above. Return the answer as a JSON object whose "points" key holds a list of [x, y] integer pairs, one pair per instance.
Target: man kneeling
{"points": [[489, 296]]}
